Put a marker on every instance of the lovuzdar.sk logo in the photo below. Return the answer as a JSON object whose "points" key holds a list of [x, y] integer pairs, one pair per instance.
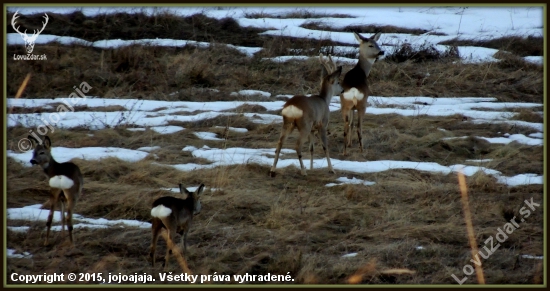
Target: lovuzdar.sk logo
{"points": [[29, 40]]}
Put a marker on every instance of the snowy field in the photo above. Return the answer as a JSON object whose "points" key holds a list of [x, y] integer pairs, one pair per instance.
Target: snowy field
{"points": [[454, 22], [472, 23]]}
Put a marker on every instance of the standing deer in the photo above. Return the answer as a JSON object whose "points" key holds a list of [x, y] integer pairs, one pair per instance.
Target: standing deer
{"points": [[356, 87], [65, 184], [307, 114], [175, 215], [29, 40]]}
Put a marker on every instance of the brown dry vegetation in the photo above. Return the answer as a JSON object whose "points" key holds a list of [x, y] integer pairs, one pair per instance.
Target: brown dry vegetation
{"points": [[156, 72], [256, 224]]}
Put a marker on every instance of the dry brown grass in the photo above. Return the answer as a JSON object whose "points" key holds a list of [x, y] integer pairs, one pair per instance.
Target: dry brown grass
{"points": [[256, 224]]}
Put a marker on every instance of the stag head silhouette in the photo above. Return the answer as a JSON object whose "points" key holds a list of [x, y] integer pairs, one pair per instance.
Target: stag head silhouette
{"points": [[29, 40]]}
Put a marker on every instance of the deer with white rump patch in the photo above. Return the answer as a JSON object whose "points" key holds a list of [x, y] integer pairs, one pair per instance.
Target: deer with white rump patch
{"points": [[307, 114], [174, 215], [65, 181], [356, 87]]}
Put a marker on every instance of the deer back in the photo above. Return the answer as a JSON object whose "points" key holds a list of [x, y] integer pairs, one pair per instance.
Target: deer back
{"points": [[181, 209], [314, 107]]}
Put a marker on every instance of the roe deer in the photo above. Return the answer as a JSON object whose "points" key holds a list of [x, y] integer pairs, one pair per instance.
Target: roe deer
{"points": [[356, 88], [65, 184], [307, 114], [175, 215]]}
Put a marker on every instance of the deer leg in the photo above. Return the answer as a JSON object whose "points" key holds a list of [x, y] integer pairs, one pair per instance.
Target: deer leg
{"points": [[184, 239], [351, 117], [54, 194], [323, 136], [287, 128], [70, 205], [169, 245], [360, 115], [62, 214], [346, 129], [156, 227], [304, 132], [310, 139]]}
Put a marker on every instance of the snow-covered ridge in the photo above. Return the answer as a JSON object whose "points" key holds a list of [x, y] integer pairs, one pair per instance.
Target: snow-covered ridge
{"points": [[442, 24]]}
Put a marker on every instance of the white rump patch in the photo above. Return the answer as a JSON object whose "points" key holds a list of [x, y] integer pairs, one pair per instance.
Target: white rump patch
{"points": [[161, 211], [354, 95], [292, 112], [61, 182]]}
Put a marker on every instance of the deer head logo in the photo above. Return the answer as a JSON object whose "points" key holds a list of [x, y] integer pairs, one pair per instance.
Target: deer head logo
{"points": [[29, 40]]}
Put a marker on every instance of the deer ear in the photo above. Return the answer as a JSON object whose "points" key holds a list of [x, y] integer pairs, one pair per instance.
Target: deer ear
{"points": [[324, 72], [336, 74], [338, 71], [358, 37], [199, 190], [47, 142], [33, 140], [184, 191], [376, 37]]}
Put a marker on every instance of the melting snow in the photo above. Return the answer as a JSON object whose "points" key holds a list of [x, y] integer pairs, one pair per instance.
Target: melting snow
{"points": [[207, 135], [253, 93], [11, 253], [167, 129], [237, 156], [514, 137], [62, 154], [235, 129], [536, 135], [35, 213], [148, 149], [350, 255], [345, 180]]}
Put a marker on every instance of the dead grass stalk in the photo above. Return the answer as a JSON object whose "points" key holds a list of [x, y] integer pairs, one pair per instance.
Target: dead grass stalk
{"points": [[22, 88], [176, 251], [469, 226]]}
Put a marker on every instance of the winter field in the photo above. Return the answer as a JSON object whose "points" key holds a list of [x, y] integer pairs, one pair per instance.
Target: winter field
{"points": [[144, 98]]}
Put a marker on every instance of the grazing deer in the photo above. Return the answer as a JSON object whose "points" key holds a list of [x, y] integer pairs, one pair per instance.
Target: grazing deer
{"points": [[307, 114], [65, 184], [175, 215], [356, 87]]}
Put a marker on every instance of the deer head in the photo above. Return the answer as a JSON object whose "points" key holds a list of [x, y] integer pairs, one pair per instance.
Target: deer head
{"points": [[29, 40]]}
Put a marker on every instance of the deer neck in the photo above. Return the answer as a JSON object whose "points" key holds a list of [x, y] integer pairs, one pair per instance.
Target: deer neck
{"points": [[50, 167], [326, 94], [365, 64]]}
